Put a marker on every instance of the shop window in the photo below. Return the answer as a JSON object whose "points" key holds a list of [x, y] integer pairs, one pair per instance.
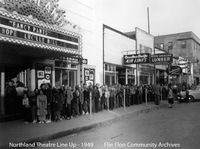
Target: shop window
{"points": [[110, 68], [113, 80], [183, 44], [107, 81], [170, 45], [144, 79]]}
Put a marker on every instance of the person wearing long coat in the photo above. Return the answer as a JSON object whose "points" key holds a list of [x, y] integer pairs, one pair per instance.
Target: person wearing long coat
{"points": [[170, 96], [68, 99], [57, 104], [10, 98], [42, 107], [76, 100]]}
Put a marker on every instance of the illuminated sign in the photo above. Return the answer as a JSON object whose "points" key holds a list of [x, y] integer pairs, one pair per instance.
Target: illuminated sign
{"points": [[137, 58], [162, 58], [43, 10]]}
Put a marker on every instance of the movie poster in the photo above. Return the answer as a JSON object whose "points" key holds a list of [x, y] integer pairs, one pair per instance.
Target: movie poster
{"points": [[43, 74], [89, 76]]}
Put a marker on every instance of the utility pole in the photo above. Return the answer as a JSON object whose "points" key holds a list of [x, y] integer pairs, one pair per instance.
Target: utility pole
{"points": [[154, 52]]}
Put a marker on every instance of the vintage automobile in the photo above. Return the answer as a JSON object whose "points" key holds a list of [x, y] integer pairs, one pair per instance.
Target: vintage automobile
{"points": [[194, 94]]}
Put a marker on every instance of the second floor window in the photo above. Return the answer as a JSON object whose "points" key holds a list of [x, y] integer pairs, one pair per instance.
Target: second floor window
{"points": [[183, 44], [170, 45]]}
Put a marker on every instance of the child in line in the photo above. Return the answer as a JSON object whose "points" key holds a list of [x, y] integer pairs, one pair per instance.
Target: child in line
{"points": [[27, 109]]}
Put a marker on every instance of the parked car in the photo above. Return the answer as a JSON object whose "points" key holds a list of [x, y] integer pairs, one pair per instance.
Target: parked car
{"points": [[194, 94]]}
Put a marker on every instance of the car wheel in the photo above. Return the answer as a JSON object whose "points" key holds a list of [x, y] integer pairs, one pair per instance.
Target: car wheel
{"points": [[191, 98]]}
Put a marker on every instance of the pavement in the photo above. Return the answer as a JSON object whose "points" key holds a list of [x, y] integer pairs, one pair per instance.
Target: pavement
{"points": [[18, 132]]}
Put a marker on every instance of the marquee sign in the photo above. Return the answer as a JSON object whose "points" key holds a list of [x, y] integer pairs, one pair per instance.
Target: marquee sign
{"points": [[43, 10], [161, 58], [26, 31], [137, 58]]}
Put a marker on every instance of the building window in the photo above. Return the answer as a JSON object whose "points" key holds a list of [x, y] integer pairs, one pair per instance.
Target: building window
{"points": [[183, 44], [162, 46], [106, 67], [156, 45], [170, 45]]}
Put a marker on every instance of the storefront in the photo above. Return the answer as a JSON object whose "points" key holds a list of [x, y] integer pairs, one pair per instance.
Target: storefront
{"points": [[115, 74], [116, 43], [38, 48], [146, 74]]}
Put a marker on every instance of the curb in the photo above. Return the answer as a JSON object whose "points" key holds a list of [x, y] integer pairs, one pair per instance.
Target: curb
{"points": [[105, 123]]}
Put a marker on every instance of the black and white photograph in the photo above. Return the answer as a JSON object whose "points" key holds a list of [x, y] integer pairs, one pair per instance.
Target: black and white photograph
{"points": [[100, 74]]}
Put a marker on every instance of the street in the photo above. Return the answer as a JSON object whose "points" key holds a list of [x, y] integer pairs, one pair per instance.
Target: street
{"points": [[176, 127]]}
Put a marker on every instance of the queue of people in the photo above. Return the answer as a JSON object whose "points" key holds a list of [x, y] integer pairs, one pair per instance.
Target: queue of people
{"points": [[47, 103]]}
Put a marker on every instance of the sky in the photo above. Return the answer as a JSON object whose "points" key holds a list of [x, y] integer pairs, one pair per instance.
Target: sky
{"points": [[166, 16]]}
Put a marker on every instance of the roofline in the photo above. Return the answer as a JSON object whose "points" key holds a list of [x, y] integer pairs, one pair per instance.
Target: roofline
{"points": [[175, 34], [117, 31]]}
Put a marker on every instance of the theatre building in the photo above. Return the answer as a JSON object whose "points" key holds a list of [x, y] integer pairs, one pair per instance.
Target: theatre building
{"points": [[37, 44]]}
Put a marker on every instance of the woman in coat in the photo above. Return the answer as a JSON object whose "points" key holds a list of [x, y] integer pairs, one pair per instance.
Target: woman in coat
{"points": [[170, 96], [68, 100], [57, 104], [42, 107], [76, 100]]}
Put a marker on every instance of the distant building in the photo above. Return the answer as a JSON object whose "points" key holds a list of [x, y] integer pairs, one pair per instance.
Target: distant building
{"points": [[186, 45]]}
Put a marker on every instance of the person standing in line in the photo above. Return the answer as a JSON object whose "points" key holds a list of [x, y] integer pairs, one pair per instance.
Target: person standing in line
{"points": [[10, 97], [42, 107], [76, 100], [115, 98], [86, 95], [27, 109], [61, 93], [47, 88], [20, 89], [127, 95], [107, 96], [100, 96], [33, 105], [97, 96], [81, 108], [103, 98], [131, 90], [170, 96], [68, 100], [57, 104], [139, 94], [112, 94], [157, 93]]}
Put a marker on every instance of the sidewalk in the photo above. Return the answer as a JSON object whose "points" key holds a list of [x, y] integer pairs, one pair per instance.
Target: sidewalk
{"points": [[17, 131]]}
